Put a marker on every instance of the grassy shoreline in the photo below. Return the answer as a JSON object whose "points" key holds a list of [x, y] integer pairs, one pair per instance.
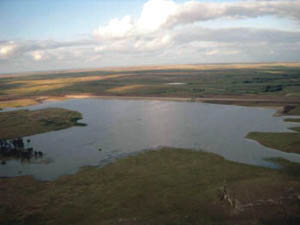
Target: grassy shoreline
{"points": [[20, 123], [166, 186], [255, 101], [284, 141]]}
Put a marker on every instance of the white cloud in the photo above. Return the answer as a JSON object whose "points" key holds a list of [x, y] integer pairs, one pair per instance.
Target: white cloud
{"points": [[37, 55], [169, 32], [154, 14], [6, 49], [116, 28], [164, 14], [193, 11]]}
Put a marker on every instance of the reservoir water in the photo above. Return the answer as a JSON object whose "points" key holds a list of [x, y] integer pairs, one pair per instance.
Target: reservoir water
{"points": [[122, 127]]}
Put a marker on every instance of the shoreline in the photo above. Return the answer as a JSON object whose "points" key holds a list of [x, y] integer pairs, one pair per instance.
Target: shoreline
{"points": [[250, 101], [167, 174]]}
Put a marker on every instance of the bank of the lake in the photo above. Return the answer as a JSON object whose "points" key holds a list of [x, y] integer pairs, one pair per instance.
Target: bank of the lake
{"points": [[21, 123], [243, 100], [167, 186], [283, 141]]}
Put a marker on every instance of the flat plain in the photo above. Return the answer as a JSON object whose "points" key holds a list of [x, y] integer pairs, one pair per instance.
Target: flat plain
{"points": [[168, 186], [277, 83]]}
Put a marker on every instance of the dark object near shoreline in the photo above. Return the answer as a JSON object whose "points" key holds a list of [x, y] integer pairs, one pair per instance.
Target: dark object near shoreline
{"points": [[16, 149], [287, 108]]}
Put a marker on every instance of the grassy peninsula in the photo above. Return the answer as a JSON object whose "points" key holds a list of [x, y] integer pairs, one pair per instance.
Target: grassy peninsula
{"points": [[283, 141], [167, 186], [22, 123]]}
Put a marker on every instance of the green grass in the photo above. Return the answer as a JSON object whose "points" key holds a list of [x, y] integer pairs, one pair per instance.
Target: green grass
{"points": [[295, 129], [269, 80], [293, 120], [169, 186], [22, 123], [284, 141], [287, 142], [294, 112]]}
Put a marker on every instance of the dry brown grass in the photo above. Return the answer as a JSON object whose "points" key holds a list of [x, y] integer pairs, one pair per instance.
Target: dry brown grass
{"points": [[32, 89], [31, 86], [17, 103]]}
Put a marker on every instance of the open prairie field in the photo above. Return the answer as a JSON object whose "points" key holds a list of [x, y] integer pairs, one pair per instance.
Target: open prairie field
{"points": [[164, 186], [150, 112], [277, 82]]}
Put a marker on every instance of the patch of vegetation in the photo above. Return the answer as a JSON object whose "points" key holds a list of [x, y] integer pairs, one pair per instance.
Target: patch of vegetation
{"points": [[17, 103], [169, 186], [22, 123], [294, 111], [274, 88], [293, 120], [284, 141], [295, 129], [290, 168], [287, 142]]}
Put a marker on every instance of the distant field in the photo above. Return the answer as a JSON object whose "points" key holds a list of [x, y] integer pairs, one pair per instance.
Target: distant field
{"points": [[282, 80]]}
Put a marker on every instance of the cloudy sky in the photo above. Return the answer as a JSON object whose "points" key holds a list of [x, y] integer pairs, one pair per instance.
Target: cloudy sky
{"points": [[62, 34]]}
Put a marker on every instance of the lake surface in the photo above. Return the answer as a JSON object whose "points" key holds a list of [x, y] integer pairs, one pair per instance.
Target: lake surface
{"points": [[122, 127]]}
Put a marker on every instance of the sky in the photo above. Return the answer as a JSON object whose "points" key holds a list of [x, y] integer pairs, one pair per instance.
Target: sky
{"points": [[40, 35]]}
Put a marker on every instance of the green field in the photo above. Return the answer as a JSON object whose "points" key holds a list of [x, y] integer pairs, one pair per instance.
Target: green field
{"points": [[167, 186], [197, 81]]}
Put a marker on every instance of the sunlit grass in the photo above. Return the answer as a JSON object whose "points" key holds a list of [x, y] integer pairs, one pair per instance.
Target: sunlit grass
{"points": [[274, 71], [268, 80], [125, 88], [64, 80], [17, 103], [33, 86], [33, 89]]}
